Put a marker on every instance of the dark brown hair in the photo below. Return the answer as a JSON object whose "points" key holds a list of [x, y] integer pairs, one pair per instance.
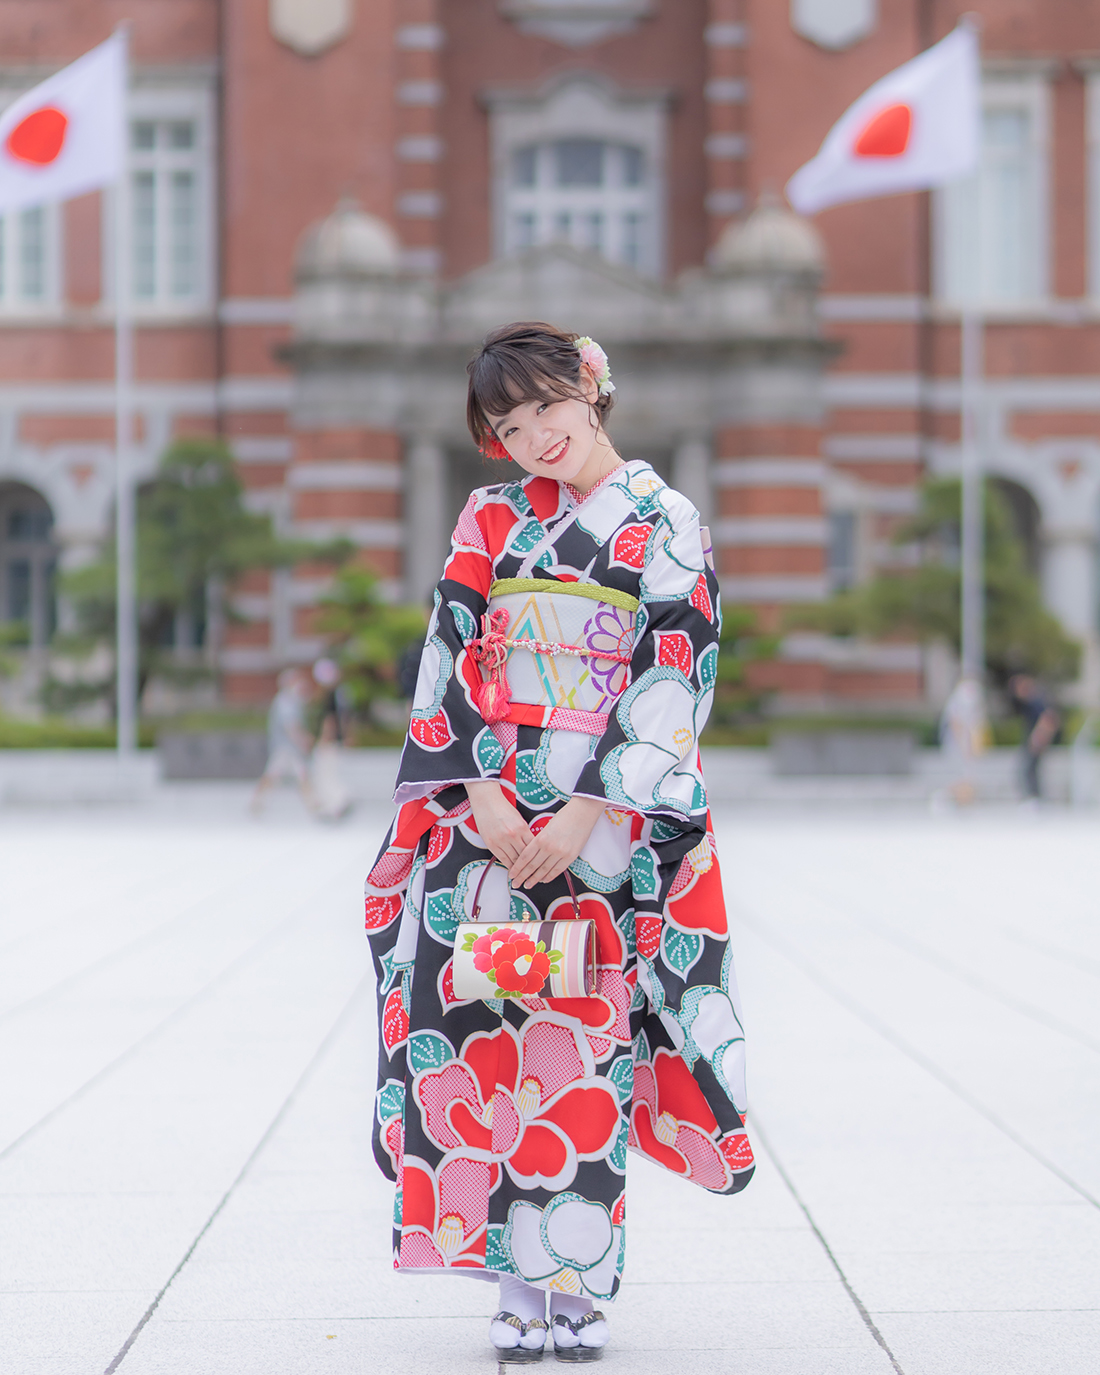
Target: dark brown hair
{"points": [[526, 361]]}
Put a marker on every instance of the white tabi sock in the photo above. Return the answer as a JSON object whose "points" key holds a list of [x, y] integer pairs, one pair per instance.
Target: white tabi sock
{"points": [[573, 1307], [524, 1300], [527, 1303]]}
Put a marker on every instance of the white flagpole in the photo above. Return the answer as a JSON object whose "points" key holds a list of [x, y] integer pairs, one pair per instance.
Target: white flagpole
{"points": [[126, 649], [971, 553]]}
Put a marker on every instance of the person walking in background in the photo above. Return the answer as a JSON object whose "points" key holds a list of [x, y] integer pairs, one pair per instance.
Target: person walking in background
{"points": [[964, 736], [288, 741], [1041, 725], [330, 793]]}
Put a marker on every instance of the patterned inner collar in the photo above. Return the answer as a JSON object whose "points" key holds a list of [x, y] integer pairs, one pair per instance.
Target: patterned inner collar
{"points": [[580, 497]]}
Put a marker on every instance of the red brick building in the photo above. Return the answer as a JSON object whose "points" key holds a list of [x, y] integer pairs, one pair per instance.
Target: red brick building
{"points": [[596, 162]]}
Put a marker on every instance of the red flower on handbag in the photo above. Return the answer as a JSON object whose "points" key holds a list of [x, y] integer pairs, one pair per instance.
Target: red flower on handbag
{"points": [[520, 966], [483, 946], [512, 960]]}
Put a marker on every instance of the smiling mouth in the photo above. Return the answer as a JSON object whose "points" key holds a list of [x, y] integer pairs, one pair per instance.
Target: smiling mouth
{"points": [[552, 455]]}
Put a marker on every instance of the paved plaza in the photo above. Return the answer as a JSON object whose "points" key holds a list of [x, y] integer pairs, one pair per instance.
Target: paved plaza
{"points": [[186, 1043]]}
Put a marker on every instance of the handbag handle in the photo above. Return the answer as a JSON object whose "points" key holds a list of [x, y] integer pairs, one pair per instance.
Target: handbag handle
{"points": [[485, 874]]}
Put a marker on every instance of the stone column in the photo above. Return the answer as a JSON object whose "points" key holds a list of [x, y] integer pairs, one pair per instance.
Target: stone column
{"points": [[691, 475], [426, 532]]}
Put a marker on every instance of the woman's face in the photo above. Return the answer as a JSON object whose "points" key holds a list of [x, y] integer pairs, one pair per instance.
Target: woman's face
{"points": [[551, 438]]}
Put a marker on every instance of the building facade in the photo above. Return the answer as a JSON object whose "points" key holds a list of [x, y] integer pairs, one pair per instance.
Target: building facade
{"points": [[333, 200]]}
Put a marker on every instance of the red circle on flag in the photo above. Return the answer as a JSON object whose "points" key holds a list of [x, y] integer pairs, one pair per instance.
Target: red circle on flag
{"points": [[887, 134], [38, 138]]}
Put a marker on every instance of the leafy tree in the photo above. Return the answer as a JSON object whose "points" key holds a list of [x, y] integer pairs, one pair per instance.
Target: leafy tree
{"points": [[1021, 635], [195, 537], [740, 644], [367, 635]]}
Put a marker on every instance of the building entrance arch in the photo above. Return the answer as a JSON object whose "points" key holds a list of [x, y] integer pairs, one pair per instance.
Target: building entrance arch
{"points": [[1027, 520], [28, 560]]}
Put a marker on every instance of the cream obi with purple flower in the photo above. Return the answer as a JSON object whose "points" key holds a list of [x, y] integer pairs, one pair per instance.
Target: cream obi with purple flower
{"points": [[568, 643]]}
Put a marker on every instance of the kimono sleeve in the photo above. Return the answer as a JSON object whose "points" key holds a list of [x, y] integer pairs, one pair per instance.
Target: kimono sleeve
{"points": [[648, 758], [448, 742]]}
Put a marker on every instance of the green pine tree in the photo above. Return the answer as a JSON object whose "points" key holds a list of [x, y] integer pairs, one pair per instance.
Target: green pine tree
{"points": [[923, 603], [367, 634], [195, 538]]}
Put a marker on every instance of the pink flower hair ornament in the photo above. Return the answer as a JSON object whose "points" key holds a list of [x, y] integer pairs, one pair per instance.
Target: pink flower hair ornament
{"points": [[596, 359]]}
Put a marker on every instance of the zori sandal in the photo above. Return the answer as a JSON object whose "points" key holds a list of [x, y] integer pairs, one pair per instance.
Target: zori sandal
{"points": [[516, 1341], [583, 1340]]}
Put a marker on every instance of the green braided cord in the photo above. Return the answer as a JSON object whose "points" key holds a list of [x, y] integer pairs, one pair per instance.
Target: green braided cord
{"points": [[503, 587]]}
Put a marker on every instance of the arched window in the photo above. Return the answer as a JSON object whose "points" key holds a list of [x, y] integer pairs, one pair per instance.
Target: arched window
{"points": [[28, 558], [592, 193]]}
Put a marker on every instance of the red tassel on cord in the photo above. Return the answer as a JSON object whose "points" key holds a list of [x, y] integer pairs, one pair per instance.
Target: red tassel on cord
{"points": [[493, 697]]}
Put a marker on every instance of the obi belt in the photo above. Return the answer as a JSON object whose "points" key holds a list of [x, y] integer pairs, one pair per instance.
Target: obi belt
{"points": [[567, 647]]}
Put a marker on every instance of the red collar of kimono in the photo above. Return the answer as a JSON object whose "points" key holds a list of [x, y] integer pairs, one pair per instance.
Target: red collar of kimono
{"points": [[580, 497]]}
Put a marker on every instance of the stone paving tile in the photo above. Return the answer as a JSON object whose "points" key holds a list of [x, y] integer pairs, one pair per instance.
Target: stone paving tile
{"points": [[1023, 1343], [972, 1255]]}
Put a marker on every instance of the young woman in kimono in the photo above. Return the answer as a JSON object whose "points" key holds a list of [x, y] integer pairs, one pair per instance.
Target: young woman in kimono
{"points": [[505, 1123]]}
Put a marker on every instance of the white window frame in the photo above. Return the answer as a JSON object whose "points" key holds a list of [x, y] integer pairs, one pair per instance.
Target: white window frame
{"points": [[162, 103], [52, 301], [1029, 92], [12, 302], [581, 107], [600, 211]]}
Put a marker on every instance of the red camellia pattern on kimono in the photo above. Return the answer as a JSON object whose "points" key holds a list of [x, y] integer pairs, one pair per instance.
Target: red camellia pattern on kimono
{"points": [[443, 1212], [672, 1123], [506, 1122], [696, 901], [533, 1099]]}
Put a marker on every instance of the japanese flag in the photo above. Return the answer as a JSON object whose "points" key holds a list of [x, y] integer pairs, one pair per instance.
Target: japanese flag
{"points": [[66, 135], [918, 127]]}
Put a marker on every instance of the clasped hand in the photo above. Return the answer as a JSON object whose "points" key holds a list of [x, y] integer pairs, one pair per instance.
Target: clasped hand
{"points": [[531, 858]]}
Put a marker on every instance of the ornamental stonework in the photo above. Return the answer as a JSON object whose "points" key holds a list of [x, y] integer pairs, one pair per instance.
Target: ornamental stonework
{"points": [[834, 23], [309, 26]]}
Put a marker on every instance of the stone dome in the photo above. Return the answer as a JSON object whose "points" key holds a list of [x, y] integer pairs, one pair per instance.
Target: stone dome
{"points": [[771, 238], [348, 243]]}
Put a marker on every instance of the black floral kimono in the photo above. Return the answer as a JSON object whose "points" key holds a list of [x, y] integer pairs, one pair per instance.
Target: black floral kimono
{"points": [[505, 1124]]}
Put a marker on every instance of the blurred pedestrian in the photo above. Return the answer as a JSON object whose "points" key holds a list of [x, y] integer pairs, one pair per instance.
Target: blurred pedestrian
{"points": [[1041, 725], [288, 741], [964, 736], [330, 793]]}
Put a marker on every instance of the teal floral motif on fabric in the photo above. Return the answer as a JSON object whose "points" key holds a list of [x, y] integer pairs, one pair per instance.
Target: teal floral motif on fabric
{"points": [[528, 537], [490, 752], [529, 785], [440, 917], [465, 623], [429, 1050]]}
